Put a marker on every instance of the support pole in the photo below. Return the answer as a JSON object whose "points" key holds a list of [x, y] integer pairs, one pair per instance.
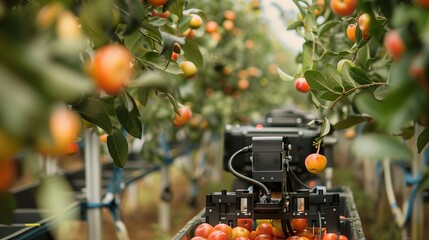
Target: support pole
{"points": [[164, 205], [93, 184]]}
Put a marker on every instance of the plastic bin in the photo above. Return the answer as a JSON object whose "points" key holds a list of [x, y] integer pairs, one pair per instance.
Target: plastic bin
{"points": [[350, 227]]}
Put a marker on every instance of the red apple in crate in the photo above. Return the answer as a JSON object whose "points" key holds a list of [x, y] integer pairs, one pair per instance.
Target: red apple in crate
{"points": [[203, 230], [218, 235], [224, 228]]}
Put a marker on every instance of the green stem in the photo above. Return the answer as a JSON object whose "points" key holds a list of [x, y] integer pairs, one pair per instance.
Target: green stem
{"points": [[350, 91]]}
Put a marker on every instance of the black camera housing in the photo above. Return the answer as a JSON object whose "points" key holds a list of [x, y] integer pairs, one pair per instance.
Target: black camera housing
{"points": [[287, 122]]}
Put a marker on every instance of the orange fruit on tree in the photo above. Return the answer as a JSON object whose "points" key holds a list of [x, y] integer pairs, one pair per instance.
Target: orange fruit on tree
{"points": [[68, 27], [394, 44], [243, 84], [211, 26], [184, 117], [157, 3], [230, 15], [228, 25], [65, 126], [315, 163], [111, 68], [8, 171], [47, 14], [320, 7], [343, 7], [351, 32], [364, 22]]}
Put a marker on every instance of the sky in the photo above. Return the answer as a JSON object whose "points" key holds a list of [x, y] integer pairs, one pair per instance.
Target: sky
{"points": [[289, 38]]}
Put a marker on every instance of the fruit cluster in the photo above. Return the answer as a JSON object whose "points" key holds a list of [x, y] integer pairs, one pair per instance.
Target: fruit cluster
{"points": [[264, 229]]}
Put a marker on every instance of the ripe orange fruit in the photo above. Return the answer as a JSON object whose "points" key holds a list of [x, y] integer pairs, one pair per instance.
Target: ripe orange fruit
{"points": [[243, 84], [320, 7], [111, 68], [230, 15], [351, 32], [364, 22], [68, 27], [64, 127], [343, 7], [224, 228], [7, 174], [47, 15], [183, 118], [211, 26], [103, 138], [72, 148], [299, 224], [228, 25], [315, 163], [157, 3], [394, 44]]}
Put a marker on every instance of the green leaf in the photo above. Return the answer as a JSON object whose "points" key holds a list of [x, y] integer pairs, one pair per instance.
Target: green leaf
{"points": [[295, 25], [315, 100], [136, 14], [151, 79], [366, 103], [7, 207], [359, 76], [151, 31], [176, 7], [118, 147], [134, 43], [63, 83], [423, 139], [128, 114], [350, 121], [284, 76], [318, 81], [381, 91], [333, 77], [330, 96], [379, 147], [307, 60], [324, 130], [363, 55], [154, 59], [192, 53], [93, 111], [401, 105], [326, 27]]}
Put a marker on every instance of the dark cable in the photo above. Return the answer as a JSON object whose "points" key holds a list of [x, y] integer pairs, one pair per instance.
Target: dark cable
{"points": [[299, 180], [237, 174]]}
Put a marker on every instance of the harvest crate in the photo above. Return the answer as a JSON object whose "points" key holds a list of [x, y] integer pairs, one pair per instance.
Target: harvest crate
{"points": [[350, 227]]}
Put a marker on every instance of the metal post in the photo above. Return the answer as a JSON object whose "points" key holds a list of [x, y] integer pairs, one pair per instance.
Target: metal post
{"points": [[164, 206], [93, 184]]}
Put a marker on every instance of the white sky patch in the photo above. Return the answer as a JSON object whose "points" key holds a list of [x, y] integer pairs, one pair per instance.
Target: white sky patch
{"points": [[272, 15]]}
